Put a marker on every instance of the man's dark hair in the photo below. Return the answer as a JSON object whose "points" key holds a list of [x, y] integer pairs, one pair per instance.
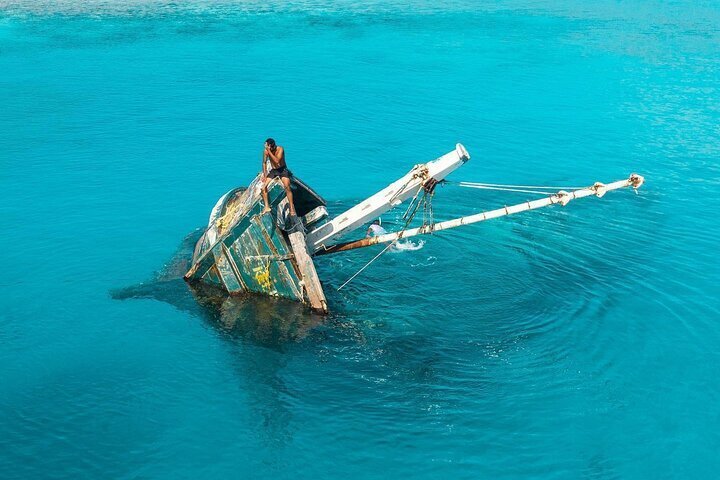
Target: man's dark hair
{"points": [[270, 142]]}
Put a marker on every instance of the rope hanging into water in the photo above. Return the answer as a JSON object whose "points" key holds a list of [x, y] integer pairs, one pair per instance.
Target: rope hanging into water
{"points": [[367, 264], [422, 201], [428, 210]]}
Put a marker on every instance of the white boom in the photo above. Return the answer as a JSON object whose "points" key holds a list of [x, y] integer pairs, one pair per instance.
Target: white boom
{"points": [[562, 197], [387, 198]]}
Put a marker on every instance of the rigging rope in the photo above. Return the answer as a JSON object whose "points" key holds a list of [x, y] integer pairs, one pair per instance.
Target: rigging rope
{"points": [[368, 264], [549, 187], [539, 189], [539, 192], [412, 203], [407, 223], [428, 209]]}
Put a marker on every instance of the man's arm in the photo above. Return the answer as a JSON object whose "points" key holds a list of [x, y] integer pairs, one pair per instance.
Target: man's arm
{"points": [[264, 163], [279, 152]]}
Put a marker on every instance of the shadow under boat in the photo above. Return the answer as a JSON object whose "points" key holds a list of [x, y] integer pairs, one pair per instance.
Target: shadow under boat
{"points": [[266, 321]]}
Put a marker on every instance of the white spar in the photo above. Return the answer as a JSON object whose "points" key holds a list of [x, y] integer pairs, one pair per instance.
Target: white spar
{"points": [[387, 198], [562, 198]]}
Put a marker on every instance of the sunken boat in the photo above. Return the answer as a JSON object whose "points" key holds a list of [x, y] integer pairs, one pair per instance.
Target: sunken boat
{"points": [[245, 251]]}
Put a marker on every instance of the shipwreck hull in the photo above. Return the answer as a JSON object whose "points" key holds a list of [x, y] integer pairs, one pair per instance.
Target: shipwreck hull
{"points": [[245, 251]]}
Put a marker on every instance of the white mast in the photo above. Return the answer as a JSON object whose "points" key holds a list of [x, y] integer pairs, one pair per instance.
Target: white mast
{"points": [[562, 197], [387, 198]]}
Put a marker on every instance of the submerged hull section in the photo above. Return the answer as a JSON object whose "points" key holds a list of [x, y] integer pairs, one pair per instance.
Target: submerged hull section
{"points": [[245, 251]]}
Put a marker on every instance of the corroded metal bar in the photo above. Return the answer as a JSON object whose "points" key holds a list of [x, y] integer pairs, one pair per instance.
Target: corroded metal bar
{"points": [[341, 247]]}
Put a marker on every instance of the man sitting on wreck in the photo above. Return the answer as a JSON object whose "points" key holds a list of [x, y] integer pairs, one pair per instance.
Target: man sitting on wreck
{"points": [[276, 155]]}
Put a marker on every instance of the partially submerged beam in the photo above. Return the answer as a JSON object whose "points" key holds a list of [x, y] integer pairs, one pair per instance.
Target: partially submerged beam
{"points": [[389, 197], [562, 198], [310, 280]]}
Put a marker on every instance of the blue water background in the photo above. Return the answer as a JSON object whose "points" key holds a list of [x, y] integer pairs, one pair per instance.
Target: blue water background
{"points": [[577, 342]]}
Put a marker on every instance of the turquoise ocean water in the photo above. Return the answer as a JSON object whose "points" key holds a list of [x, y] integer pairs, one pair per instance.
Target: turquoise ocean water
{"points": [[577, 342]]}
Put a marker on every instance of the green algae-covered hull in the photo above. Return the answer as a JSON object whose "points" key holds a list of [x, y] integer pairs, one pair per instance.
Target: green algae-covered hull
{"points": [[245, 251]]}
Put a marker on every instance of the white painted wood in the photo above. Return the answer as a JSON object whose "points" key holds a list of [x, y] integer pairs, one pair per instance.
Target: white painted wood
{"points": [[387, 198], [562, 198]]}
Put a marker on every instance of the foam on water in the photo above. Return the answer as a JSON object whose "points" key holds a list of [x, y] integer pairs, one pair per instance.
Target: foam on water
{"points": [[408, 246]]}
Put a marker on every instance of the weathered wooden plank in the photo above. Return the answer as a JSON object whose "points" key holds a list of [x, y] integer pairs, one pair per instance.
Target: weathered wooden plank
{"points": [[226, 272], [311, 282], [279, 247], [276, 194], [284, 285], [230, 272], [238, 253], [212, 277], [257, 270], [250, 253]]}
